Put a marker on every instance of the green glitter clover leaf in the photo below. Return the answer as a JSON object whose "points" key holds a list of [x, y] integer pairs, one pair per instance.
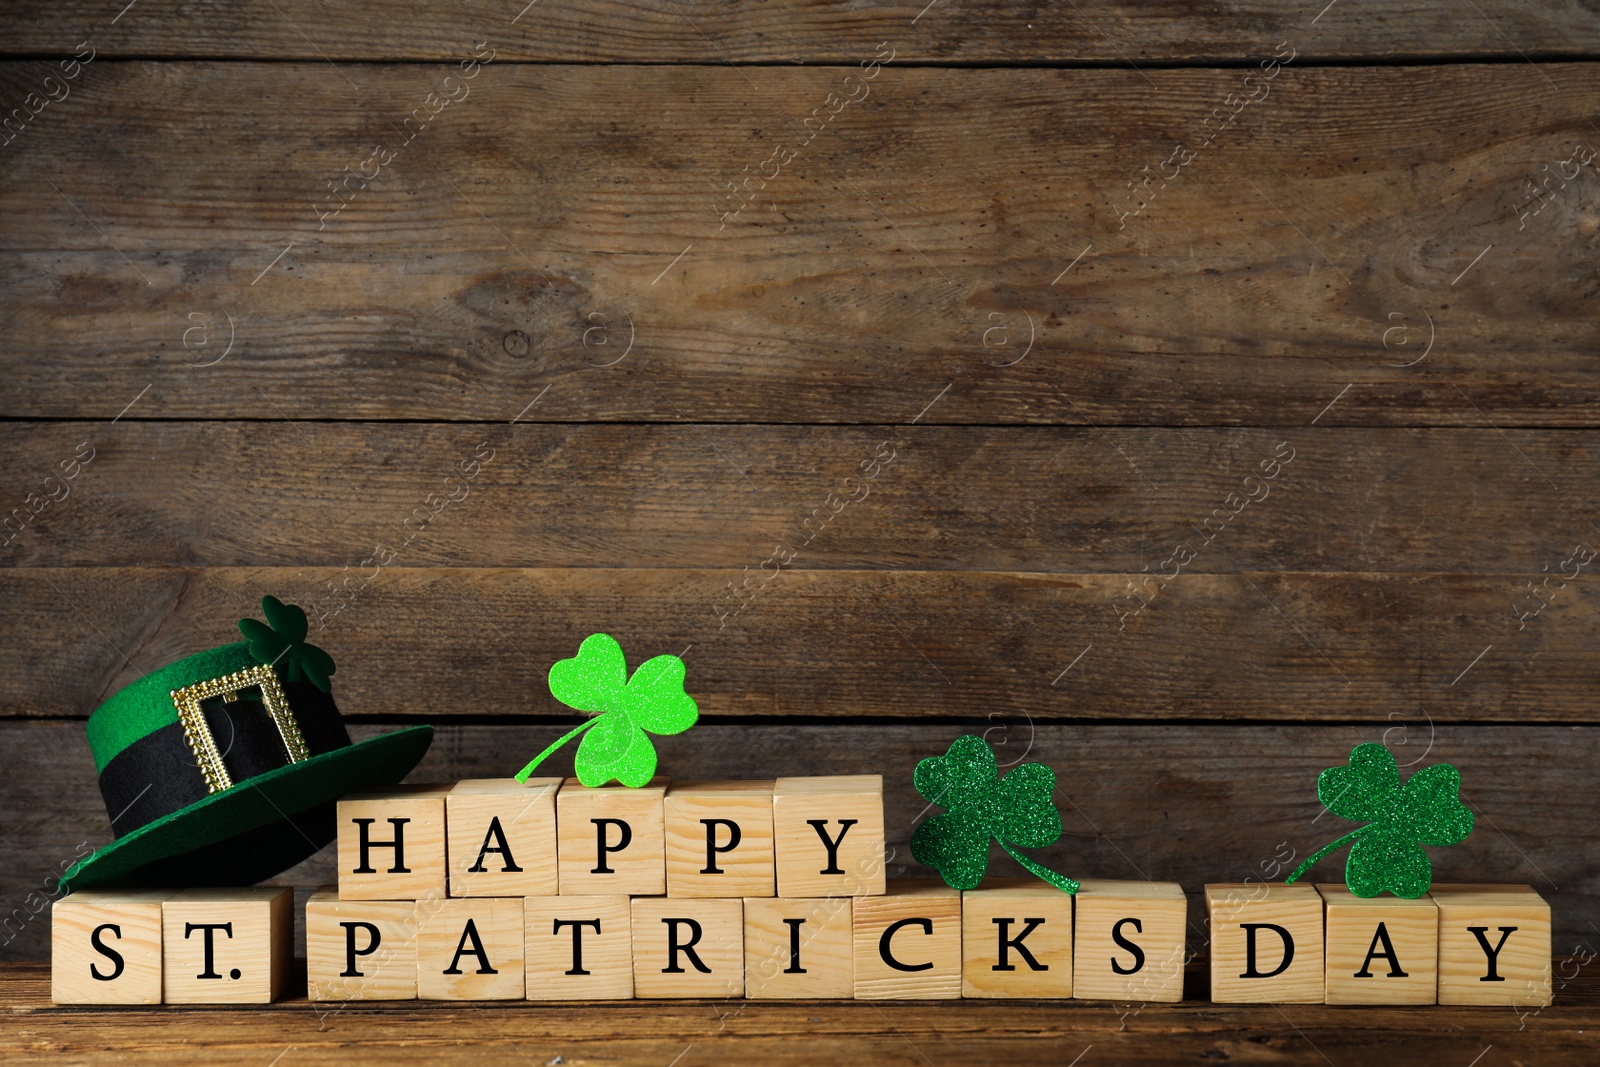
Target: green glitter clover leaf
{"points": [[280, 642], [1427, 810], [1017, 810], [616, 747]]}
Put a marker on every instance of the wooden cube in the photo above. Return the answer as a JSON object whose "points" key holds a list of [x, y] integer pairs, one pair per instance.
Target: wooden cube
{"points": [[688, 947], [1129, 941], [828, 836], [360, 949], [1266, 943], [502, 837], [1016, 940], [799, 949], [1494, 945], [392, 843], [226, 946], [719, 839], [579, 948], [1380, 950], [611, 839], [470, 948], [105, 947], [908, 942]]}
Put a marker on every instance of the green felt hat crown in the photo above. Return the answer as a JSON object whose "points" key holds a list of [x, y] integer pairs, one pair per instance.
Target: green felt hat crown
{"points": [[223, 767]]}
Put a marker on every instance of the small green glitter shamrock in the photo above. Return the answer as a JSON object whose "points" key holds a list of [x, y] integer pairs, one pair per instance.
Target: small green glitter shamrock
{"points": [[596, 680], [281, 643], [1427, 810], [1017, 810]]}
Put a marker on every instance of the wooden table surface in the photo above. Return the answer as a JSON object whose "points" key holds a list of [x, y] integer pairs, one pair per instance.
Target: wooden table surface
{"points": [[694, 1032]]}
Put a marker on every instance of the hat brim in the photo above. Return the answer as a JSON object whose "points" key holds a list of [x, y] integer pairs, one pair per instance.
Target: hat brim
{"points": [[256, 829]]}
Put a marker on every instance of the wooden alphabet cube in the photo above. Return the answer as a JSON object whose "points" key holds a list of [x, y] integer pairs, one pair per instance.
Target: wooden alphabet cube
{"points": [[579, 948], [688, 947], [470, 948], [360, 949], [226, 946], [719, 839], [105, 947], [1129, 941], [1016, 940], [799, 949], [908, 942], [1266, 943], [502, 837], [612, 840], [828, 836], [1494, 945], [392, 843], [1380, 950]]}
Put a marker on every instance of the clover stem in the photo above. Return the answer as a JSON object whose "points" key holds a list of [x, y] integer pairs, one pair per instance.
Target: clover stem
{"points": [[522, 775], [1060, 881], [1321, 852]]}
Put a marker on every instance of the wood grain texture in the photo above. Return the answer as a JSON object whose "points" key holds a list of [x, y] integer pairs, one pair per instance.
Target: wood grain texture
{"points": [[900, 257], [1190, 803], [796, 949], [1016, 940], [404, 852], [648, 1035], [247, 962], [1103, 966], [1075, 499], [908, 942], [1266, 944], [704, 857], [1400, 966], [437, 642], [1514, 921], [105, 947], [382, 952], [818, 32], [579, 948]]}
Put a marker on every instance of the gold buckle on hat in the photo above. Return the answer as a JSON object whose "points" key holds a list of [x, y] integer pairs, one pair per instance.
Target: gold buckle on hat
{"points": [[198, 731]]}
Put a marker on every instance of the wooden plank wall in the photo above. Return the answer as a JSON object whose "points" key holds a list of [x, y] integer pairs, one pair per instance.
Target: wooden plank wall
{"points": [[1179, 395]]}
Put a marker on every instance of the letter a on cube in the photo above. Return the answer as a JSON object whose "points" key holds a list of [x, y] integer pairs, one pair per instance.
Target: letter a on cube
{"points": [[502, 837], [470, 948], [1382, 949]]}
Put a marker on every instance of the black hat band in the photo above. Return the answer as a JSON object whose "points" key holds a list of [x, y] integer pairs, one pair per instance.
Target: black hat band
{"points": [[160, 773]]}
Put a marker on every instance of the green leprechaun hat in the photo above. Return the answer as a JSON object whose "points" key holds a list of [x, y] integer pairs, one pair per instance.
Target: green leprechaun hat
{"points": [[223, 768]]}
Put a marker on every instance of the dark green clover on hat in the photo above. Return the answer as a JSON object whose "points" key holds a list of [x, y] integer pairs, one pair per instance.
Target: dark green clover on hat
{"points": [[223, 768]]}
